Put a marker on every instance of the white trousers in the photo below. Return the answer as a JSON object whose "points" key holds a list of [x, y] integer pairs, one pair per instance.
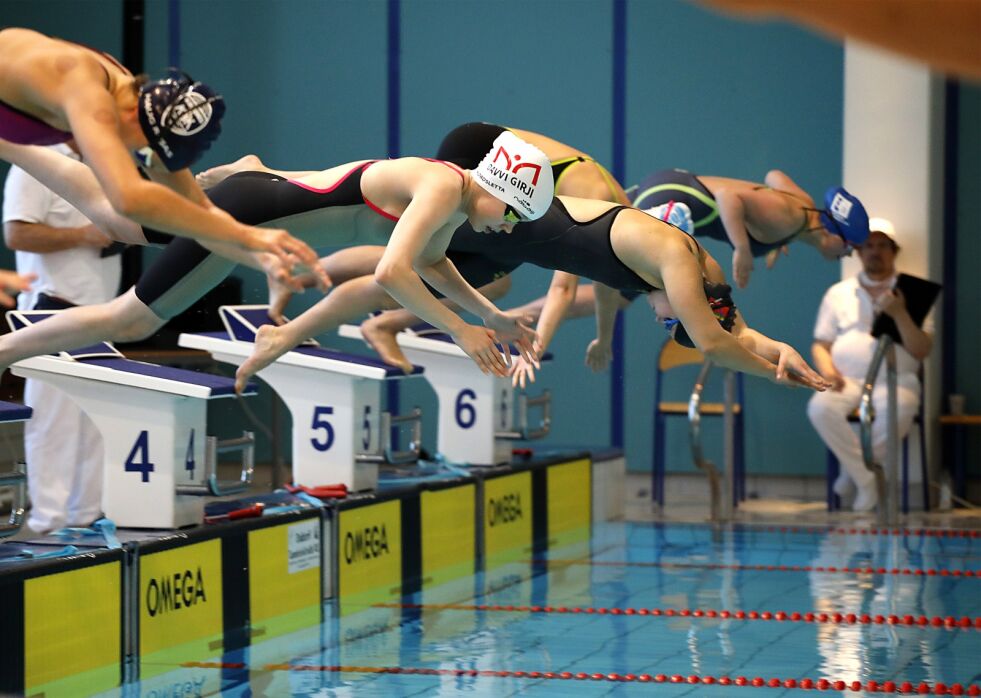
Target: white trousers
{"points": [[63, 450], [828, 412]]}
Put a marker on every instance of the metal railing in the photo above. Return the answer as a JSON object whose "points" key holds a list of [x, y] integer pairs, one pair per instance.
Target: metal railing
{"points": [[721, 489], [219, 488], [885, 477], [17, 480], [545, 424], [385, 454]]}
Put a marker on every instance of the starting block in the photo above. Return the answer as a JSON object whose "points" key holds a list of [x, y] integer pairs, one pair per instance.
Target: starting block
{"points": [[477, 415], [158, 457], [340, 434], [10, 413]]}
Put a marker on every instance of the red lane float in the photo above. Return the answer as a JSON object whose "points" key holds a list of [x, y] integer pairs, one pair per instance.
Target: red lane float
{"points": [[870, 686], [965, 622]]}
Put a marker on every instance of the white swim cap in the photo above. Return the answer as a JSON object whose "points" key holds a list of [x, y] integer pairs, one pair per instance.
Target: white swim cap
{"points": [[517, 173], [884, 226]]}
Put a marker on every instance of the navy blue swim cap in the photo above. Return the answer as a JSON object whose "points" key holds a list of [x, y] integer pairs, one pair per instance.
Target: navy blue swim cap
{"points": [[845, 216], [180, 118], [723, 307]]}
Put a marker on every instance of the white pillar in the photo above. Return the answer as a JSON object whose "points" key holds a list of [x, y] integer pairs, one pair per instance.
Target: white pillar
{"points": [[893, 162]]}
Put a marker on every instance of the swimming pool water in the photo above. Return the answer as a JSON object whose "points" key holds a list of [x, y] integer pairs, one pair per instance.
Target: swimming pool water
{"points": [[645, 609]]}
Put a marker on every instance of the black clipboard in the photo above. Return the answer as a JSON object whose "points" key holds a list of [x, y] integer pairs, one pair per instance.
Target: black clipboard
{"points": [[920, 295]]}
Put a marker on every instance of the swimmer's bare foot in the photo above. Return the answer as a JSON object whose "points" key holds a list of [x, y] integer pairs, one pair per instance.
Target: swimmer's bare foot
{"points": [[382, 340], [246, 163], [270, 344]]}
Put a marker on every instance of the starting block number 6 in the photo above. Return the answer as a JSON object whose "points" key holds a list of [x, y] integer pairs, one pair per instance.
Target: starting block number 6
{"points": [[466, 412]]}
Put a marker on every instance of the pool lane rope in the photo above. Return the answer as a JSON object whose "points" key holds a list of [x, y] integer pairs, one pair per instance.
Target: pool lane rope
{"points": [[964, 622], [869, 686], [895, 571], [963, 533]]}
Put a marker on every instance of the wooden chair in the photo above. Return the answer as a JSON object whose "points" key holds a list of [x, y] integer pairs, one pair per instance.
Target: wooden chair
{"points": [[672, 355]]}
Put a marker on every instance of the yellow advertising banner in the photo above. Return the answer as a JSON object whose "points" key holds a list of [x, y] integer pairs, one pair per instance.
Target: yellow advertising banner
{"points": [[570, 496], [369, 555], [180, 599], [507, 518], [72, 627], [448, 536], [284, 577]]}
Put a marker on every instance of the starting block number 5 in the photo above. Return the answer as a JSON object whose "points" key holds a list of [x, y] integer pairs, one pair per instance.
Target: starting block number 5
{"points": [[322, 424]]}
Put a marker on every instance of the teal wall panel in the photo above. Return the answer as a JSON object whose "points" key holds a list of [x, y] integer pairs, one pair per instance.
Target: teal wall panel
{"points": [[306, 85]]}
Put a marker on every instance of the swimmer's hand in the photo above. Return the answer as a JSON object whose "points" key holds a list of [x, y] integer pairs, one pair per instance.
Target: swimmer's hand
{"points": [[295, 280], [599, 355], [773, 255], [793, 371], [480, 344], [742, 266], [280, 292], [522, 373], [510, 327], [12, 283], [289, 249]]}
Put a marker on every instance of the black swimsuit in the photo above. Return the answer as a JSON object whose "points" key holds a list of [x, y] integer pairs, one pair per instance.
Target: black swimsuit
{"points": [[185, 270], [556, 241], [684, 187]]}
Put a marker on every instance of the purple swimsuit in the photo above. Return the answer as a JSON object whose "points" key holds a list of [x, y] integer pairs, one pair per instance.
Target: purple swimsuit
{"points": [[24, 129]]}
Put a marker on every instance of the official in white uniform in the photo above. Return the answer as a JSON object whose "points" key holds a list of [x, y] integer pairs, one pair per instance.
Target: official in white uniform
{"points": [[62, 447], [842, 350]]}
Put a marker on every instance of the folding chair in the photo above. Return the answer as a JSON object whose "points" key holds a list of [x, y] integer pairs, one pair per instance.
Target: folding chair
{"points": [[673, 355]]}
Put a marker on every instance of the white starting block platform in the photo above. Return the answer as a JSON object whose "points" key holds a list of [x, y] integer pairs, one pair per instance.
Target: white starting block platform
{"points": [[478, 418], [340, 434], [10, 413], [158, 458]]}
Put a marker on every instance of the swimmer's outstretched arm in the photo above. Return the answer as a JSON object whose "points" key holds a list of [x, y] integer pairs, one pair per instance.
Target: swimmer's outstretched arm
{"points": [[789, 362], [149, 204], [684, 285], [417, 247], [76, 183], [560, 297], [599, 353], [733, 215]]}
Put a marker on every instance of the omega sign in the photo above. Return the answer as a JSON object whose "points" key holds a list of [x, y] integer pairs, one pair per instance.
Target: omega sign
{"points": [[365, 544], [504, 510], [174, 592]]}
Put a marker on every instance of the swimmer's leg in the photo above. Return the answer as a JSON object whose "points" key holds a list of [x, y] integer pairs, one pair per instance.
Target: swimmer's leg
{"points": [[124, 319], [346, 302], [379, 331], [246, 163]]}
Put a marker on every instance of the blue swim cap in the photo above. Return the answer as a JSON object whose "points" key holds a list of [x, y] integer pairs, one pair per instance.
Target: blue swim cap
{"points": [[845, 216], [719, 297], [180, 118]]}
